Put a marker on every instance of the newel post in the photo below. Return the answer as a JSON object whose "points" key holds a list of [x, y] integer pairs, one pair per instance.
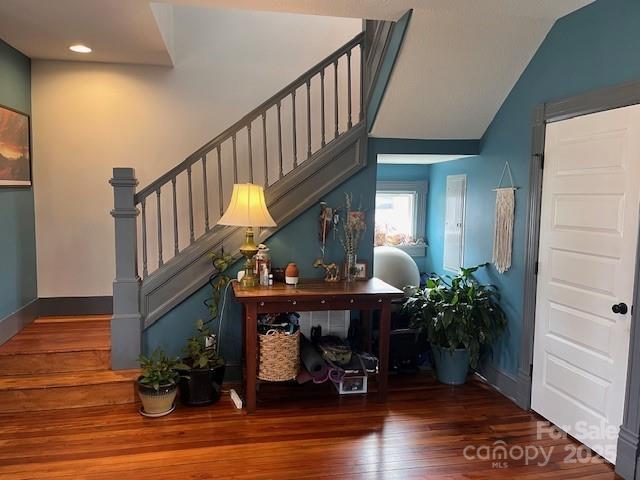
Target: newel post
{"points": [[126, 323]]}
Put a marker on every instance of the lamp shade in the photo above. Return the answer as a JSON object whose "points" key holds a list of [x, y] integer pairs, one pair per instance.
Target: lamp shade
{"points": [[247, 208]]}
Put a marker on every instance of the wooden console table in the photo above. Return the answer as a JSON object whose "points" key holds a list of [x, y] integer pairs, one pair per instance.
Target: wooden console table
{"points": [[314, 295]]}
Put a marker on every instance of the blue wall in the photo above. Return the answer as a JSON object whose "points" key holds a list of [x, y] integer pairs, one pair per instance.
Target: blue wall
{"points": [[297, 242], [592, 48], [17, 223], [482, 177]]}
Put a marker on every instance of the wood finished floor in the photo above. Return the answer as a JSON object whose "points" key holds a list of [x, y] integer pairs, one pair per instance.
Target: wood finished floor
{"points": [[304, 432]]}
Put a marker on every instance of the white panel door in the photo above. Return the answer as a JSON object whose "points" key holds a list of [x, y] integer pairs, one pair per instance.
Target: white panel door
{"points": [[453, 253], [588, 240]]}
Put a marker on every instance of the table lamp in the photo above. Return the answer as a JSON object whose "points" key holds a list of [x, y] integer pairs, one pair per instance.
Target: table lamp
{"points": [[248, 208]]}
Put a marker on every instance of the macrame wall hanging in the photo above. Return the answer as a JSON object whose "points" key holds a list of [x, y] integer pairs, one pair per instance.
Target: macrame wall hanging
{"points": [[505, 213]]}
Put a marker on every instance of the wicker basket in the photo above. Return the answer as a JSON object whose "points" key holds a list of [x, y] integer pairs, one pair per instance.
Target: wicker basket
{"points": [[279, 356]]}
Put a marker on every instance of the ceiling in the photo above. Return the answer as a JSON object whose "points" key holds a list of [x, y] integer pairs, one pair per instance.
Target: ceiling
{"points": [[118, 31], [459, 61], [457, 66]]}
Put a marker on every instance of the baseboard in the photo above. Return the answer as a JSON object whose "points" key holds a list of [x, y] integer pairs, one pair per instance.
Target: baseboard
{"points": [[69, 306], [523, 390], [12, 324], [500, 380], [627, 461]]}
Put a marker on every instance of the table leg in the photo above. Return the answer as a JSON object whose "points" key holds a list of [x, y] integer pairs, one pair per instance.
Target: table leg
{"points": [[251, 354], [383, 350], [366, 326]]}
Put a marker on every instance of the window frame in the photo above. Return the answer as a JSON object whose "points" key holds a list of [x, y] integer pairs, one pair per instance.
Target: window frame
{"points": [[419, 188]]}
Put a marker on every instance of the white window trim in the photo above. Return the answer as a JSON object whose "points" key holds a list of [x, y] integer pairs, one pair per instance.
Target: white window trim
{"points": [[420, 210]]}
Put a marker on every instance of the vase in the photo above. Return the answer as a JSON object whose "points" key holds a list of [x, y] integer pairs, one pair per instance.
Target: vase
{"points": [[350, 267], [291, 274]]}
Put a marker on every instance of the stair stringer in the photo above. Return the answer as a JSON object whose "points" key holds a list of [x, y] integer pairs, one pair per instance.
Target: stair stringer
{"points": [[287, 198]]}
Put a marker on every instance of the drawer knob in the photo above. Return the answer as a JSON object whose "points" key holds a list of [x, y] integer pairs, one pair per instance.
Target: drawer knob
{"points": [[262, 304], [323, 301], [379, 300], [294, 302], [351, 301]]}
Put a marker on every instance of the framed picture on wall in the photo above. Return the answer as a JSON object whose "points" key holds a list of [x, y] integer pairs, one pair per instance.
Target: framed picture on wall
{"points": [[15, 148]]}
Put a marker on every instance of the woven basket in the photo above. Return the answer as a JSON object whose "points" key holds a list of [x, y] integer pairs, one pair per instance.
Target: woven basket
{"points": [[279, 356]]}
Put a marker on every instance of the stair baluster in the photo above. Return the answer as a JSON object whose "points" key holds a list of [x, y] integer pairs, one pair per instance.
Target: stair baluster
{"points": [[250, 152], [176, 248], [159, 210], [280, 165], [308, 118], [295, 137], [349, 122], [322, 119], [335, 97], [264, 146], [205, 193]]}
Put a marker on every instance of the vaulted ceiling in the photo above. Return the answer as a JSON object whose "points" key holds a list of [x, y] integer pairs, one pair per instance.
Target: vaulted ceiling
{"points": [[459, 61]]}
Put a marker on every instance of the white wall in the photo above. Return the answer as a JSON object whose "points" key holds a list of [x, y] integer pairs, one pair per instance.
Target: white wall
{"points": [[88, 118]]}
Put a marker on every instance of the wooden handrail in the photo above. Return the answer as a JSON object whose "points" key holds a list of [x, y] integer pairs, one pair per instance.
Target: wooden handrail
{"points": [[248, 118]]}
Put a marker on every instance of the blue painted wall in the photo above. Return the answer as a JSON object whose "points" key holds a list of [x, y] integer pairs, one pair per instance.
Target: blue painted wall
{"points": [[297, 242], [17, 223], [482, 177], [592, 48]]}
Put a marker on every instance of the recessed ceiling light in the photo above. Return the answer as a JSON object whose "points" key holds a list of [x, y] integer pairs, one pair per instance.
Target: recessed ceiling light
{"points": [[80, 48]]}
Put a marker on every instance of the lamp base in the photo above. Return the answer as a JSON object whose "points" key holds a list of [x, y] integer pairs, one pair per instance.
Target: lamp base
{"points": [[249, 281], [248, 250]]}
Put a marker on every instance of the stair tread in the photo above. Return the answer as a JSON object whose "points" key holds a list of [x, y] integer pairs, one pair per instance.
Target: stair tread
{"points": [[69, 379], [75, 334]]}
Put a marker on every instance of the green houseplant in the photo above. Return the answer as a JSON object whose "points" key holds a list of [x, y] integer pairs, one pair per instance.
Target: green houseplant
{"points": [[203, 369], [158, 383], [459, 317]]}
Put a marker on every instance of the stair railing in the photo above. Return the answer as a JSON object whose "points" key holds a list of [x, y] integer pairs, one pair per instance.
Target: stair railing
{"points": [[211, 152]]}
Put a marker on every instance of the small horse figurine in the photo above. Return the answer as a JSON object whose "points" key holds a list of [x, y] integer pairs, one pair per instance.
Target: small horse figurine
{"points": [[331, 270]]}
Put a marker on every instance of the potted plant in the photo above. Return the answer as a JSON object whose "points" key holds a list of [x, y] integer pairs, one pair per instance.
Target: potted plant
{"points": [[203, 374], [459, 317], [158, 383], [202, 370]]}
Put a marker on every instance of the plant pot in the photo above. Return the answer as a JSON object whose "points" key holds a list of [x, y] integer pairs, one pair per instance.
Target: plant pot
{"points": [[451, 367], [201, 386], [157, 403]]}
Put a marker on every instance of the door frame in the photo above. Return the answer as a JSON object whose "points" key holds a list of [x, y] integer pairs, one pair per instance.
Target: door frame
{"points": [[627, 463]]}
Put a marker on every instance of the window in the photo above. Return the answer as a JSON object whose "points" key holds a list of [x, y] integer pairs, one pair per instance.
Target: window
{"points": [[400, 216]]}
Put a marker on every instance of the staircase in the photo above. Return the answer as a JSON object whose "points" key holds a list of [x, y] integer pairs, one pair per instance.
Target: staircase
{"points": [[299, 145], [59, 363]]}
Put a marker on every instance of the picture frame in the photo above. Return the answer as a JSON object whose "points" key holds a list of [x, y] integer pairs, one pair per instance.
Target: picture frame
{"points": [[362, 270], [15, 148]]}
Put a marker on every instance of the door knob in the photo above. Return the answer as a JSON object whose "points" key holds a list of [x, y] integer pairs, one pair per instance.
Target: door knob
{"points": [[620, 308]]}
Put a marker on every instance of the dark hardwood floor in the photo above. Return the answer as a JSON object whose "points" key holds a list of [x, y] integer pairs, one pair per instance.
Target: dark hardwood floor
{"points": [[298, 432]]}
